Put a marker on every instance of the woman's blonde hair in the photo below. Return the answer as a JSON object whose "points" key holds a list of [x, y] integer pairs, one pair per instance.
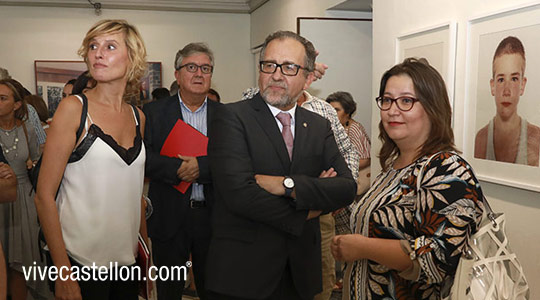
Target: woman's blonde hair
{"points": [[135, 46]]}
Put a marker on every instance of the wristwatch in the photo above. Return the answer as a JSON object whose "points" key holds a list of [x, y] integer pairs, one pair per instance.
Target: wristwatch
{"points": [[288, 183]]}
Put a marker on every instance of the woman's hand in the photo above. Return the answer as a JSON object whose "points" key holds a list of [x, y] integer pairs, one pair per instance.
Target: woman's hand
{"points": [[347, 247], [67, 290]]}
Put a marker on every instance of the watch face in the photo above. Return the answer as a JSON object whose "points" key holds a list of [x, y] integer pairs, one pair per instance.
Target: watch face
{"points": [[288, 183]]}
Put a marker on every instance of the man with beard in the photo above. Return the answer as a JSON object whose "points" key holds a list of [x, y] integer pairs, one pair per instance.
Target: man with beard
{"points": [[276, 167], [330, 223]]}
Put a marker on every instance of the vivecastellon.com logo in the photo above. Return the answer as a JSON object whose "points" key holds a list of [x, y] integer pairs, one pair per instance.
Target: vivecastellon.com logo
{"points": [[113, 272]]}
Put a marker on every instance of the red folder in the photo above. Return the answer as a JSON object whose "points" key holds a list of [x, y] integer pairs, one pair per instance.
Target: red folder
{"points": [[184, 140], [143, 261]]}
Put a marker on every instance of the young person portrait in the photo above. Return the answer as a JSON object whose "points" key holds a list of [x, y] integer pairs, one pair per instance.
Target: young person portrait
{"points": [[508, 136]]}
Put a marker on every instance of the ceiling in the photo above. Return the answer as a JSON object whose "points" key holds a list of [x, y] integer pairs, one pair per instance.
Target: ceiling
{"points": [[354, 5], [227, 6], [223, 6]]}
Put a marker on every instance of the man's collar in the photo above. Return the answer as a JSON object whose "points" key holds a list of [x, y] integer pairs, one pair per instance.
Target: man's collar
{"points": [[276, 110], [199, 108], [308, 96]]}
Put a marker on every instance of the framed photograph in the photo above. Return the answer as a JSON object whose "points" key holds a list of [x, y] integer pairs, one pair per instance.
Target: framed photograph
{"points": [[151, 81], [437, 44], [52, 75], [502, 123]]}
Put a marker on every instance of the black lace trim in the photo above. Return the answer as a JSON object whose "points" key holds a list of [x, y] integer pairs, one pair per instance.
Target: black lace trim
{"points": [[127, 155]]}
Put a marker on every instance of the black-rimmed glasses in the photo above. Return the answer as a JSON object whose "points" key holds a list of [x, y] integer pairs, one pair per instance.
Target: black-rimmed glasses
{"points": [[192, 68], [404, 103], [269, 67]]}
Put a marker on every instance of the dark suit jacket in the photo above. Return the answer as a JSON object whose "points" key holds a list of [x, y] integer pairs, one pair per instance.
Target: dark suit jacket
{"points": [[254, 233], [170, 206]]}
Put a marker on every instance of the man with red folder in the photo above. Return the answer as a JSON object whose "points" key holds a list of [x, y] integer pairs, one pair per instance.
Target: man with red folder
{"points": [[180, 223]]}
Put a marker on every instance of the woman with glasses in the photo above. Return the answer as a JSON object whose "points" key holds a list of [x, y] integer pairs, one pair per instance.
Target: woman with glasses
{"points": [[412, 224]]}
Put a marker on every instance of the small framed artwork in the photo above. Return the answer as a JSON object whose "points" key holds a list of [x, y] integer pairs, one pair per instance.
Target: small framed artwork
{"points": [[151, 81], [502, 130], [52, 75], [437, 44]]}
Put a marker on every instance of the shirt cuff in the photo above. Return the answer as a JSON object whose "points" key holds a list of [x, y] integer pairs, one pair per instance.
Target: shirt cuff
{"points": [[413, 272]]}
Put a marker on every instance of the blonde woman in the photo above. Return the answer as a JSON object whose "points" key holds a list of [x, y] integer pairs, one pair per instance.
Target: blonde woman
{"points": [[99, 178]]}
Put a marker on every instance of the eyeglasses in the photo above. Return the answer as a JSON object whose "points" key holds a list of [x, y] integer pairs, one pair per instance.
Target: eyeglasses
{"points": [[404, 103], [192, 68], [286, 69]]}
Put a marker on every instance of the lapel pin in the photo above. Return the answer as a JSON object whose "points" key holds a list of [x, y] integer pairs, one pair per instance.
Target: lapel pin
{"points": [[305, 125]]}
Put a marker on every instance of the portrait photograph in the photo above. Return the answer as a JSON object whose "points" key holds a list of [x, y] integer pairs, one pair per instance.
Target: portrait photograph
{"points": [[502, 119], [507, 106]]}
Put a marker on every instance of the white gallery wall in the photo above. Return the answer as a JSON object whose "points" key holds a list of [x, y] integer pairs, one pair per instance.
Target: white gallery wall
{"points": [[393, 18], [47, 33]]}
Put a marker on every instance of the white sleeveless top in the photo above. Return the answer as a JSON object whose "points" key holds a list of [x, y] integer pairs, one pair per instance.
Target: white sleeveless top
{"points": [[521, 157], [99, 200]]}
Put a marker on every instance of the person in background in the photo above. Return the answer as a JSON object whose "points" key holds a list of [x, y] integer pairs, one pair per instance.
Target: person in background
{"points": [[18, 220], [41, 108], [89, 193], [68, 88], [160, 93], [345, 107], [180, 223], [407, 241], [213, 95], [32, 116], [8, 186], [8, 180], [173, 88], [83, 83]]}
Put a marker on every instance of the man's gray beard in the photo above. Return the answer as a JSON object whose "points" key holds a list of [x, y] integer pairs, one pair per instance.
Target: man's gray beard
{"points": [[284, 102]]}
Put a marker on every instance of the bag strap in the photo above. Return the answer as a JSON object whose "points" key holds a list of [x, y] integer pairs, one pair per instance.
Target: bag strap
{"points": [[137, 118], [27, 142], [83, 116]]}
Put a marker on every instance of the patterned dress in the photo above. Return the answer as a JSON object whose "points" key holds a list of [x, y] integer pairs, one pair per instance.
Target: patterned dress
{"points": [[359, 139], [435, 222]]}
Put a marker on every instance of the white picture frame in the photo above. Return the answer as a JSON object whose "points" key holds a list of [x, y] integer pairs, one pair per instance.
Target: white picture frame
{"points": [[437, 44], [485, 32]]}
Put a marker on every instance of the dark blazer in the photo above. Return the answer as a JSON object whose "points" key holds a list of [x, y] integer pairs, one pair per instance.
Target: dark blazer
{"points": [[170, 206], [254, 233]]}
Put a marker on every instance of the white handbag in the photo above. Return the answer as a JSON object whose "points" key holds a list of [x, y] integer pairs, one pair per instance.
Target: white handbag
{"points": [[487, 269]]}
